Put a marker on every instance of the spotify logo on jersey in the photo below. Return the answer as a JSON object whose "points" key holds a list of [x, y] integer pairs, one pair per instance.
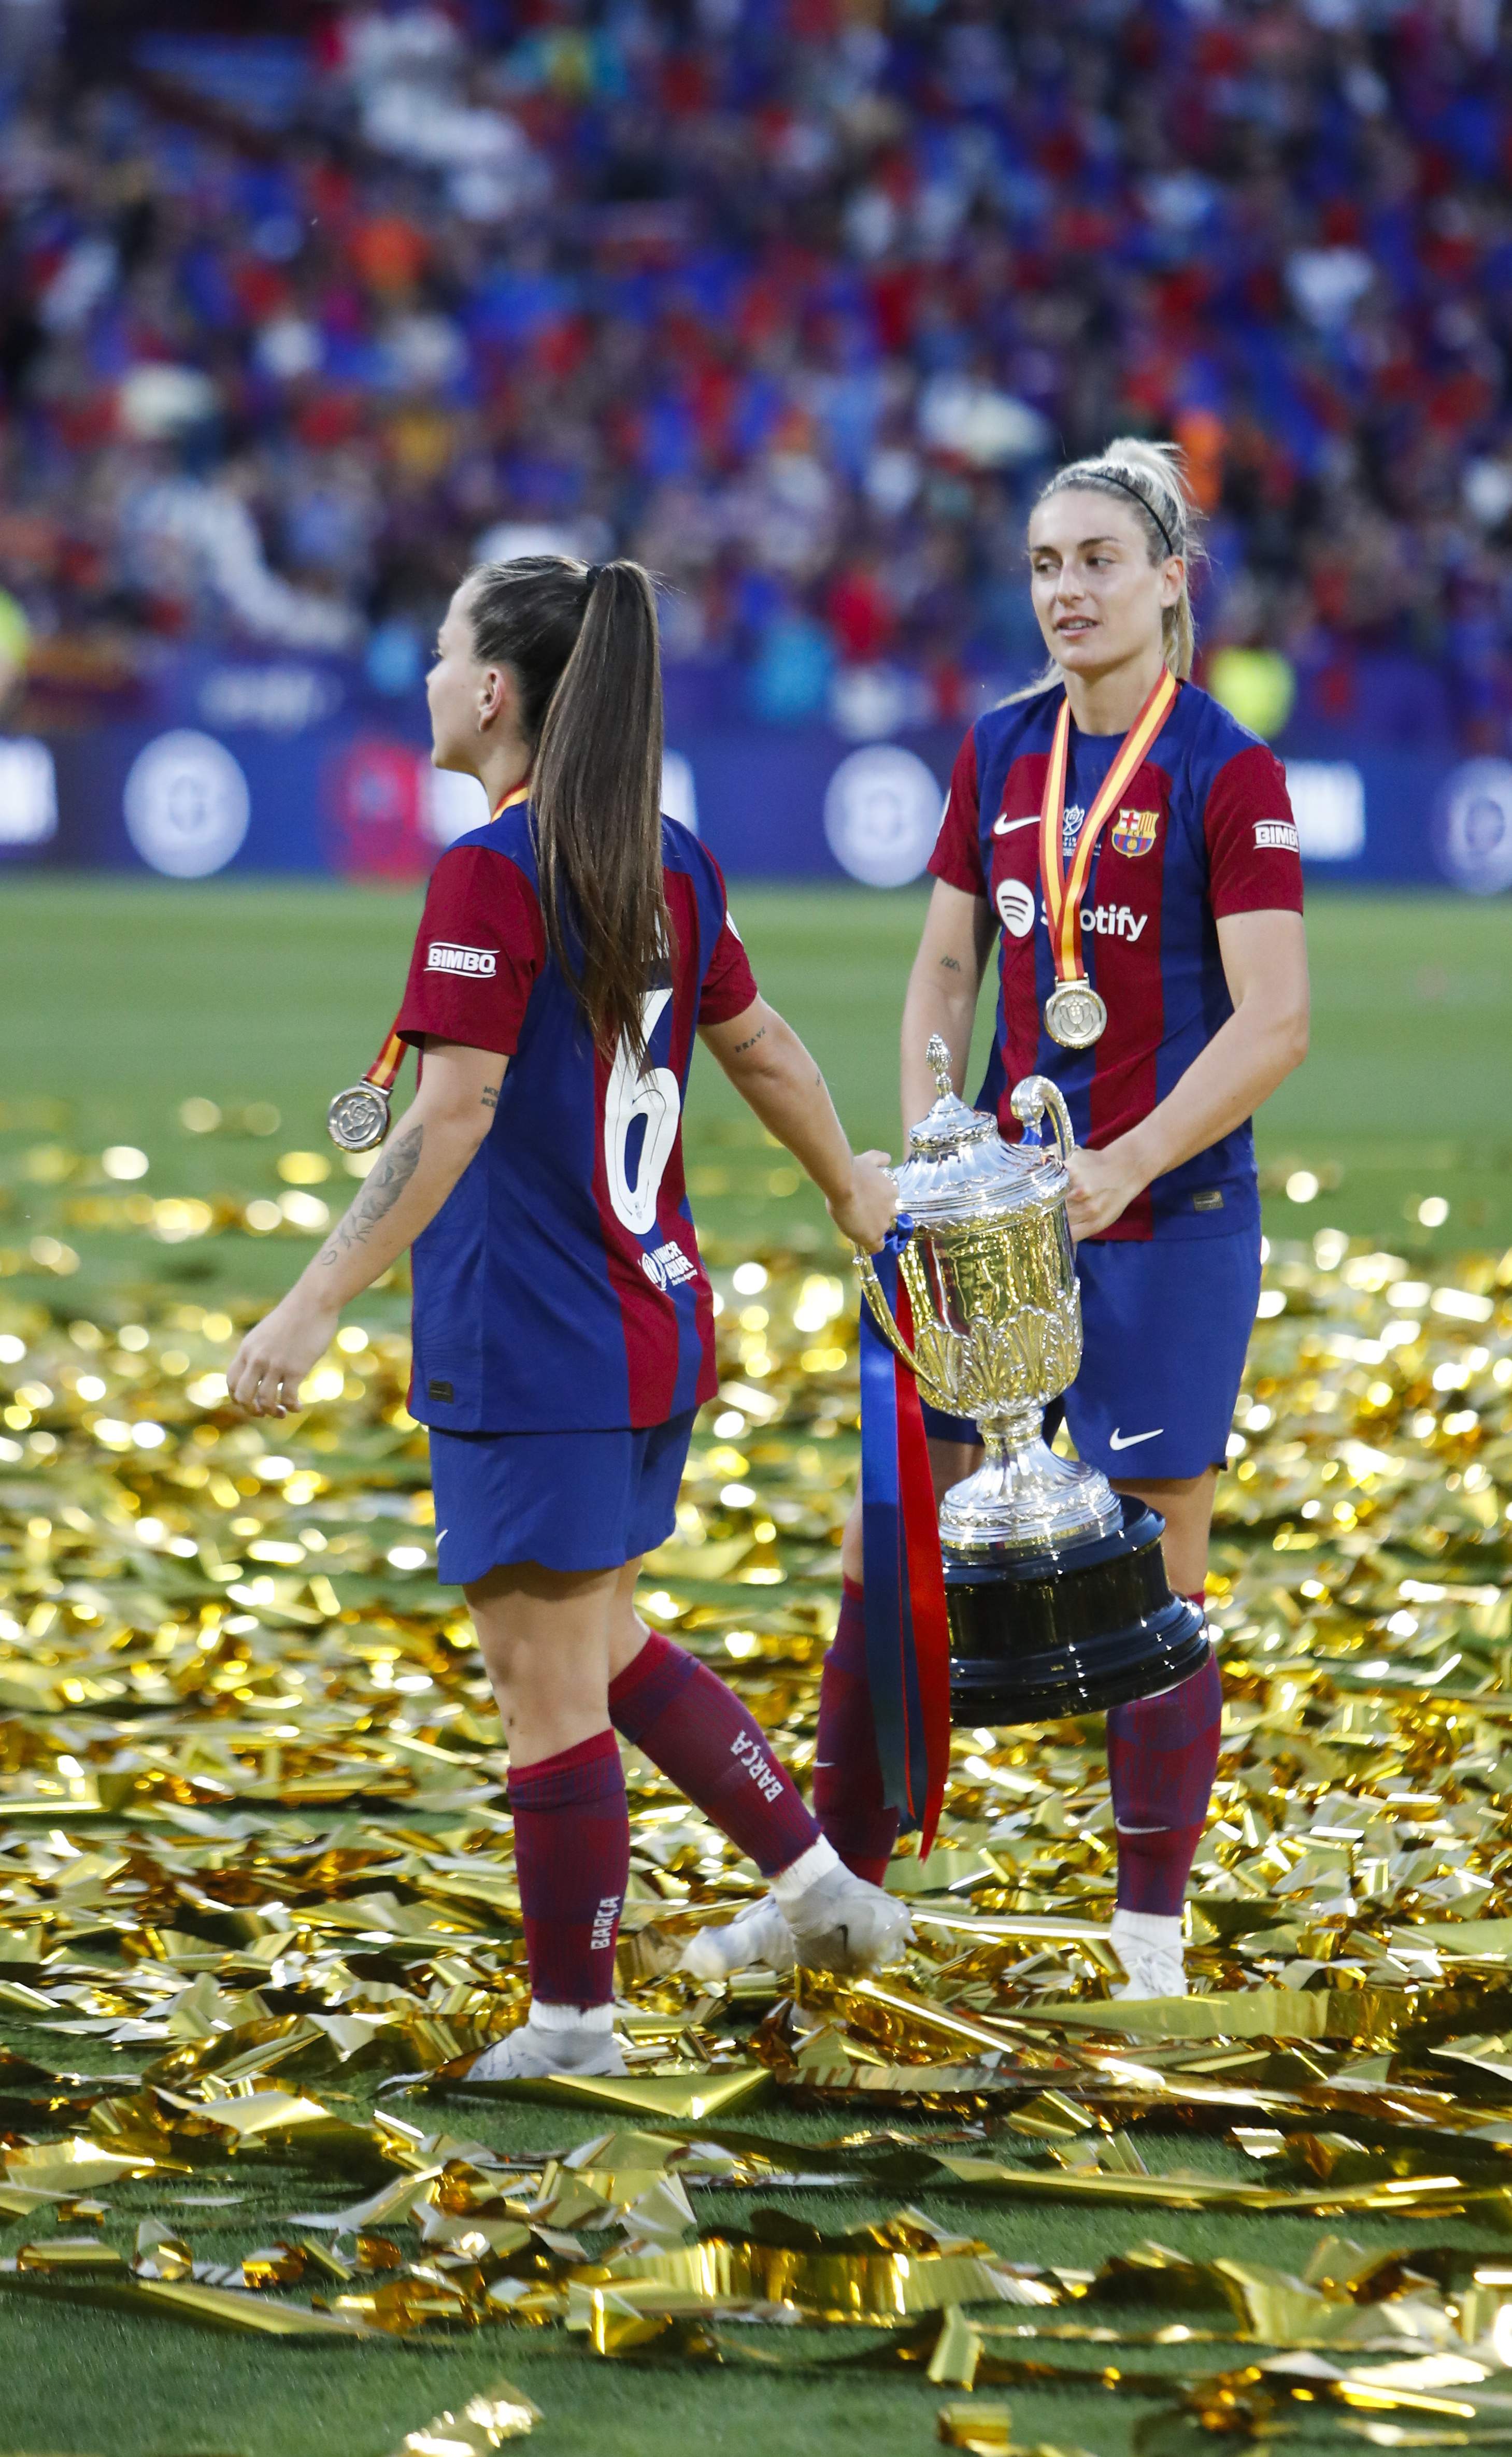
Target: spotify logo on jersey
{"points": [[1016, 908]]}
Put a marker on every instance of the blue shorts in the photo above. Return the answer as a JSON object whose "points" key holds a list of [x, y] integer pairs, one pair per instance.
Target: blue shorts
{"points": [[571, 1501], [1166, 1327]]}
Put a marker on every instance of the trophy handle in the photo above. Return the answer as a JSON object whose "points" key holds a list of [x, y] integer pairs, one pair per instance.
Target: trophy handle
{"points": [[1030, 1101], [881, 1311]]}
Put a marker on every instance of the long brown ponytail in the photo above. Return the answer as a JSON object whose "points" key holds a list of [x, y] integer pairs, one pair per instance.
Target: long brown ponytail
{"points": [[583, 643]]}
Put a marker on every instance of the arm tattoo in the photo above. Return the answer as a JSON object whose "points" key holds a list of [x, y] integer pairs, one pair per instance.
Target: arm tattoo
{"points": [[379, 1195], [948, 964], [491, 1096], [760, 1034]]}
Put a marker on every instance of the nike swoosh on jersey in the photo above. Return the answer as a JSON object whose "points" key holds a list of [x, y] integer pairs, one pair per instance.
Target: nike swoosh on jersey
{"points": [[1117, 1441], [1004, 827]]}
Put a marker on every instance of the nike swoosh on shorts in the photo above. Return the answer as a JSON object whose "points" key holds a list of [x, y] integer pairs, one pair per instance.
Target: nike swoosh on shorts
{"points": [[1003, 827], [1117, 1441]]}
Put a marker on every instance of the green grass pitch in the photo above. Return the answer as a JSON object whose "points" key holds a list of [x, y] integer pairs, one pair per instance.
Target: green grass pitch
{"points": [[121, 1000]]}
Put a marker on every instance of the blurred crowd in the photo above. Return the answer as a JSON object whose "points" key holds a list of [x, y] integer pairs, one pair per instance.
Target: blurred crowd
{"points": [[795, 299]]}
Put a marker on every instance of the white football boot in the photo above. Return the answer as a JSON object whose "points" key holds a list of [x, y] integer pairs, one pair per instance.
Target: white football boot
{"points": [[758, 1936], [818, 1913], [554, 2040], [1150, 1948]]}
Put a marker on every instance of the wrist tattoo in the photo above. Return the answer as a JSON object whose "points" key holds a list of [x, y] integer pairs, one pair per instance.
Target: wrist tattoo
{"points": [[378, 1196]]}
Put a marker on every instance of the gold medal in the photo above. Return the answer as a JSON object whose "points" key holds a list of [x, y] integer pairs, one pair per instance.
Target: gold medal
{"points": [[1074, 1015], [356, 1120], [357, 1117]]}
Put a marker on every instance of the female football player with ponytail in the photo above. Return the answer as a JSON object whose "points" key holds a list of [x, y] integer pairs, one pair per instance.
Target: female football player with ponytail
{"points": [[563, 1322], [1134, 849]]}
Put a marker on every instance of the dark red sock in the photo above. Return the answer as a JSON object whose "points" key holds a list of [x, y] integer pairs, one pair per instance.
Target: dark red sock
{"points": [[572, 1857], [696, 1730], [1161, 1756], [847, 1772]]}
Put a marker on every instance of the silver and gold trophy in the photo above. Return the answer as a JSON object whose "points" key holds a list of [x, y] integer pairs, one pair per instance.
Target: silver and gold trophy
{"points": [[1055, 1585]]}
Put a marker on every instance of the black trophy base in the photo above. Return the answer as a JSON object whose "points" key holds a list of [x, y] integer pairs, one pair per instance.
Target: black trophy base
{"points": [[1070, 1632]]}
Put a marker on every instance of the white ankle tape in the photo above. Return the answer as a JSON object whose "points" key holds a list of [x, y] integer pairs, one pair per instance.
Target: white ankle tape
{"points": [[571, 2018], [805, 1870], [1148, 1928]]}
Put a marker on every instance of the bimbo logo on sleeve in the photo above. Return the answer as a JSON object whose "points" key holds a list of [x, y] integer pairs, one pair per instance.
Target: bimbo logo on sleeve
{"points": [[444, 956]]}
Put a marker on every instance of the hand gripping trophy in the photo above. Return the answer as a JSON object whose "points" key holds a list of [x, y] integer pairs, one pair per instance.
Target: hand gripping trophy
{"points": [[1055, 1585]]}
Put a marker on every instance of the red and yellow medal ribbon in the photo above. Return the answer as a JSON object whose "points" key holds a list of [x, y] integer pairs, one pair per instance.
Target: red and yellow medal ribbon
{"points": [[356, 1120], [1064, 889], [383, 1072]]}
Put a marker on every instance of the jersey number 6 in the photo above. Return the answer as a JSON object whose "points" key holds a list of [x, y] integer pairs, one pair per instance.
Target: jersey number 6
{"points": [[653, 1097]]}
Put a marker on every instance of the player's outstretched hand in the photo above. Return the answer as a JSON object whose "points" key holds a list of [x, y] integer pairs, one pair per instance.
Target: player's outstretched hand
{"points": [[869, 1206], [1103, 1186], [274, 1357]]}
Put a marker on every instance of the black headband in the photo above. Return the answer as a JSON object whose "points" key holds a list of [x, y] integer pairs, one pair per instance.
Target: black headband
{"points": [[1112, 478]]}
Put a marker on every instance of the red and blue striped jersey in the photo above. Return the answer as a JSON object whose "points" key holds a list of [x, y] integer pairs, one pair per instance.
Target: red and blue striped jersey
{"points": [[1203, 830], [560, 1286]]}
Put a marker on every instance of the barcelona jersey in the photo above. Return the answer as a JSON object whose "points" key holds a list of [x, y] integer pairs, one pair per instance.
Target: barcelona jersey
{"points": [[1204, 829], [560, 1286]]}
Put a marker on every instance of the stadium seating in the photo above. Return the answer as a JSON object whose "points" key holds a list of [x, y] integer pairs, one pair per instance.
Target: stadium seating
{"points": [[795, 299]]}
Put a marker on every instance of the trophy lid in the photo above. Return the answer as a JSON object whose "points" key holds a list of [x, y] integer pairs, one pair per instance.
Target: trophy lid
{"points": [[960, 1169]]}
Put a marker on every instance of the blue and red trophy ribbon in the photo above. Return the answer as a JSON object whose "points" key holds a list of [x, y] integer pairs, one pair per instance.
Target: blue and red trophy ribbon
{"points": [[907, 1635]]}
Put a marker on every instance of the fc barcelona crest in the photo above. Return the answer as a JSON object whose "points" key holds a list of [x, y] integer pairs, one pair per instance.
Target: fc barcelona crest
{"points": [[1134, 832]]}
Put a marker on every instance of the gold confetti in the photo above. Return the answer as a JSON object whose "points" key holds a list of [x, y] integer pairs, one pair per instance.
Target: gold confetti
{"points": [[485, 2422], [957, 2352], [982, 2427], [254, 1846]]}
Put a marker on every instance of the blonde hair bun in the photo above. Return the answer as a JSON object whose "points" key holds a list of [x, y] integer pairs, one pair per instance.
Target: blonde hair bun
{"points": [[1163, 468], [1153, 478]]}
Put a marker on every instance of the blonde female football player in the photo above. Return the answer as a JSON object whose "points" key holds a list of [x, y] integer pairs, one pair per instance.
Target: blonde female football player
{"points": [[1131, 850]]}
